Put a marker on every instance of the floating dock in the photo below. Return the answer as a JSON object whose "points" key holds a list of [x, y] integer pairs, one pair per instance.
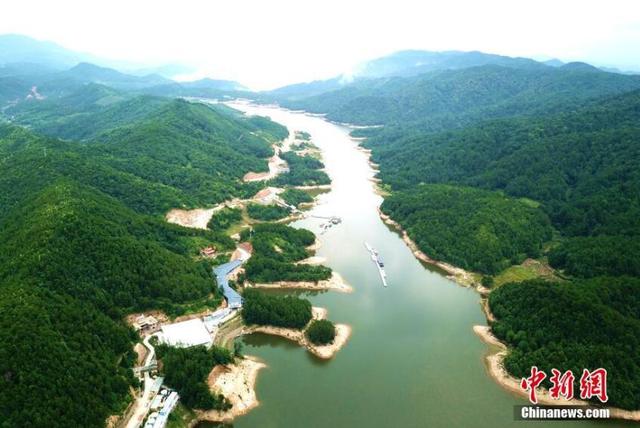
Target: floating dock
{"points": [[378, 261]]}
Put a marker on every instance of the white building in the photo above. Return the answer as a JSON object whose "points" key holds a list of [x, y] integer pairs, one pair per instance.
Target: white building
{"points": [[186, 334]]}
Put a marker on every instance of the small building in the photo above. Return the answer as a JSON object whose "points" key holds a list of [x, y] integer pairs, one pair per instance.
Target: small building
{"points": [[246, 246], [146, 324], [267, 195], [208, 252]]}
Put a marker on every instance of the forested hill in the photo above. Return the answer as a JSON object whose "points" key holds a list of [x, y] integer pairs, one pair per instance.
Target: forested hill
{"points": [[84, 243], [480, 162], [153, 154], [564, 137], [453, 98], [582, 166]]}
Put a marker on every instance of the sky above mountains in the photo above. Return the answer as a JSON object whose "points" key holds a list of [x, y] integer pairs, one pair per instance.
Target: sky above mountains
{"points": [[269, 44]]}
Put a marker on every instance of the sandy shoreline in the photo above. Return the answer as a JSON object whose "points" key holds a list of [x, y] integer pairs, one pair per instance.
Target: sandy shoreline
{"points": [[454, 273], [336, 282], [343, 332], [237, 383]]}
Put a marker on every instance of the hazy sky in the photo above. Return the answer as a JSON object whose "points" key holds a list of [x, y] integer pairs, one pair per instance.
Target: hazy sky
{"points": [[265, 44]]}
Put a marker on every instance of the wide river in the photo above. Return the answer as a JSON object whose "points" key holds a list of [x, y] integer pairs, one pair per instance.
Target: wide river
{"points": [[413, 359]]}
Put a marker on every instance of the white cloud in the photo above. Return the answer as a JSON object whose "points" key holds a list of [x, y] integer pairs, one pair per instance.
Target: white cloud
{"points": [[270, 43]]}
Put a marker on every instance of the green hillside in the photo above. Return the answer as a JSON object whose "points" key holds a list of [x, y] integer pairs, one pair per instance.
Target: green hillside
{"points": [[84, 242], [481, 161], [452, 98], [474, 229], [583, 324], [153, 154], [581, 167]]}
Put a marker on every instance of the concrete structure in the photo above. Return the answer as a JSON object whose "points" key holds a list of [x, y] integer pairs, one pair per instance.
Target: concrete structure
{"points": [[164, 403], [146, 324], [234, 300], [211, 322], [186, 334]]}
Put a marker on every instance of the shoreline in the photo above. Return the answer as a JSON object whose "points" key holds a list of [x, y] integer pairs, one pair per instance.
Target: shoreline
{"points": [[325, 352], [494, 364], [456, 274], [336, 283], [494, 361], [237, 383], [343, 332]]}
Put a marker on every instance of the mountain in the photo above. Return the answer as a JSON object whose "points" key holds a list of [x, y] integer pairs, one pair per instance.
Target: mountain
{"points": [[554, 62], [414, 62], [91, 73], [453, 98], [303, 90], [15, 48], [207, 83], [183, 154], [399, 64], [84, 241], [574, 163], [204, 88]]}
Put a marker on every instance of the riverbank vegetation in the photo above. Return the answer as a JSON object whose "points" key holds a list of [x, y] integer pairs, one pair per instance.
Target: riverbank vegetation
{"points": [[303, 171], [321, 332], [276, 249], [475, 229], [280, 311], [267, 212], [574, 325], [186, 370], [296, 197]]}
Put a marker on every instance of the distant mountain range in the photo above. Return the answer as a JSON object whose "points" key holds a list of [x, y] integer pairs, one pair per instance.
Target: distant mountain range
{"points": [[54, 71]]}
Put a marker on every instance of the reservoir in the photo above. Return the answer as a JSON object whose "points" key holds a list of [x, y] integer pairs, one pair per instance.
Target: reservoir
{"points": [[413, 359]]}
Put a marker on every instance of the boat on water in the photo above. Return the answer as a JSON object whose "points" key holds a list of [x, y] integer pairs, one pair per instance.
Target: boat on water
{"points": [[378, 261]]}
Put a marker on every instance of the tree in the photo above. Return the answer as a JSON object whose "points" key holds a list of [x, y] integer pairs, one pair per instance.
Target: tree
{"points": [[321, 332]]}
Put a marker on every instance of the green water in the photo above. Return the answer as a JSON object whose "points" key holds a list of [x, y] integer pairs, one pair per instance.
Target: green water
{"points": [[413, 359]]}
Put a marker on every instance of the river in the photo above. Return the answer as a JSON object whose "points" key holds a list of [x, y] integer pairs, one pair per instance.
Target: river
{"points": [[413, 359]]}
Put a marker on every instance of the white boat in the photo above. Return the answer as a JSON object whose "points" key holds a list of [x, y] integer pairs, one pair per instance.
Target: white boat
{"points": [[378, 262]]}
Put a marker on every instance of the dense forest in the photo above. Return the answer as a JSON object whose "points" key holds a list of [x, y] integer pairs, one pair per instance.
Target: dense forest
{"points": [[225, 218], [84, 242], [270, 309], [303, 171], [580, 166], [186, 370], [575, 325], [296, 197], [444, 99], [476, 229], [267, 212], [276, 249], [180, 155]]}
